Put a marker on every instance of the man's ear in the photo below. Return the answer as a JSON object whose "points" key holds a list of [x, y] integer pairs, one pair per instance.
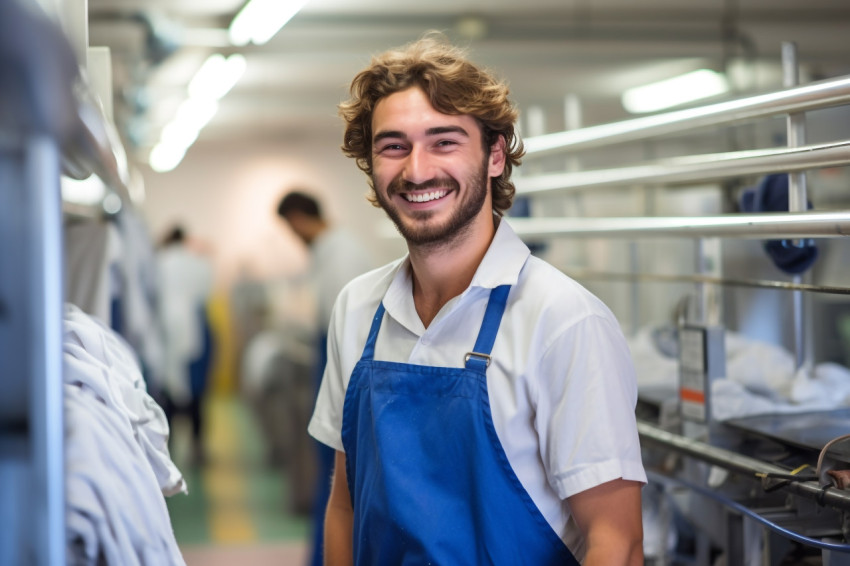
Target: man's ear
{"points": [[496, 163]]}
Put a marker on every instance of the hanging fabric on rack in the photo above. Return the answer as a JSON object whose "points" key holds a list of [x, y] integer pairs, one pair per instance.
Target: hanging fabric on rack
{"points": [[111, 274], [93, 249], [117, 463], [771, 195], [137, 295]]}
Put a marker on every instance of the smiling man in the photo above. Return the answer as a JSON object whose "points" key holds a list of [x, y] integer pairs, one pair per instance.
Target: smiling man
{"points": [[481, 403]]}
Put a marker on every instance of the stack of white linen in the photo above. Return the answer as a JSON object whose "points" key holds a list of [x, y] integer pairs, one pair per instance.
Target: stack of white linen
{"points": [[761, 378], [118, 468]]}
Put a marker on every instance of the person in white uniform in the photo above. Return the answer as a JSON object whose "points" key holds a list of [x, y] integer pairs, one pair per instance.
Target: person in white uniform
{"points": [[185, 277], [480, 402], [336, 257]]}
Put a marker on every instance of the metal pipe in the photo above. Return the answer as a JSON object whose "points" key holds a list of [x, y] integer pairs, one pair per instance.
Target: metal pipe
{"points": [[634, 290], [821, 94], [797, 193], [667, 278], [740, 463], [764, 226], [696, 168], [796, 129], [700, 296], [43, 308]]}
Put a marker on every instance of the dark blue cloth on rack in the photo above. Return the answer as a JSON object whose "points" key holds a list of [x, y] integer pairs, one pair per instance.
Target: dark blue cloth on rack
{"points": [[522, 209], [771, 195]]}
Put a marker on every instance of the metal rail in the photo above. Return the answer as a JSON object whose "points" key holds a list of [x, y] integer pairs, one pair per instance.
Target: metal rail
{"points": [[740, 463], [667, 278], [696, 168], [93, 145], [767, 226], [821, 94]]}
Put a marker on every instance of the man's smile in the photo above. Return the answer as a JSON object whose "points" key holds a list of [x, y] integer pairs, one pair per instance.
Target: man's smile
{"points": [[425, 197]]}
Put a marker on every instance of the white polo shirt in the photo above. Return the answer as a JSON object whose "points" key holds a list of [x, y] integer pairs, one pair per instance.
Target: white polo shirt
{"points": [[561, 383]]}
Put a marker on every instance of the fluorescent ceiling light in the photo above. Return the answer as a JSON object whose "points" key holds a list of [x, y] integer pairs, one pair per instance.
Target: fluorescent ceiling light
{"points": [[212, 81], [259, 20], [165, 157], [180, 133], [672, 92], [195, 113], [217, 76]]}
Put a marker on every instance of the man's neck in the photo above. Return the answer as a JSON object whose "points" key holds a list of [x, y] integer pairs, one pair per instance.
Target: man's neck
{"points": [[442, 273]]}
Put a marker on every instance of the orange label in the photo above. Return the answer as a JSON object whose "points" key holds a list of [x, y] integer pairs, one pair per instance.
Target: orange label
{"points": [[692, 395]]}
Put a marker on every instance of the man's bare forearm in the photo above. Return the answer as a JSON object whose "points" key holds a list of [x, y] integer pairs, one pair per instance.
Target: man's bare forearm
{"points": [[339, 519], [609, 515], [338, 550]]}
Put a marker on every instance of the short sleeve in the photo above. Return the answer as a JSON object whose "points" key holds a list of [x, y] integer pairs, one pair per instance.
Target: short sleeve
{"points": [[586, 408]]}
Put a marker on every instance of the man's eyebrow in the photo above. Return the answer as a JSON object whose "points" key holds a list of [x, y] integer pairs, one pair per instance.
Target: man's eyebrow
{"points": [[446, 130], [387, 134], [435, 131]]}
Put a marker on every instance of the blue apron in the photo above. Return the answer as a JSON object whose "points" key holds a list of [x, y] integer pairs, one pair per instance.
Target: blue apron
{"points": [[429, 480]]}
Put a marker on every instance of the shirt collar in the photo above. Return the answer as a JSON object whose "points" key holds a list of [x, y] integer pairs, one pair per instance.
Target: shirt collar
{"points": [[501, 265], [503, 261]]}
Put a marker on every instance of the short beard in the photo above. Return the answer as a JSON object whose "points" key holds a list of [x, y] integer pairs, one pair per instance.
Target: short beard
{"points": [[458, 224]]}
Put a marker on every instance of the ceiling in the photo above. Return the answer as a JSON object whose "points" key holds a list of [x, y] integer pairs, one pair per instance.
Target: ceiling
{"points": [[546, 49]]}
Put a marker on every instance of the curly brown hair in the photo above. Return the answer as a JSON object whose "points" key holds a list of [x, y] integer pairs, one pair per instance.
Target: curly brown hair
{"points": [[453, 84]]}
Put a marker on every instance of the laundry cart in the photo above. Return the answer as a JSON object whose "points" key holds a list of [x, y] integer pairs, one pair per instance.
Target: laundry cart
{"points": [[718, 249]]}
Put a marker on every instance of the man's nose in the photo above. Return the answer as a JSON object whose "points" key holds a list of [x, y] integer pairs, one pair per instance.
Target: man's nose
{"points": [[418, 166]]}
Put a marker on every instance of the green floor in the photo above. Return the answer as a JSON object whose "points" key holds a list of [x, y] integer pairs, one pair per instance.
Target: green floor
{"points": [[235, 496]]}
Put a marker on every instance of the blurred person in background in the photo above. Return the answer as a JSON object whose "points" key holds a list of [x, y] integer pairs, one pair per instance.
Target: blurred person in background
{"points": [[336, 257], [185, 278]]}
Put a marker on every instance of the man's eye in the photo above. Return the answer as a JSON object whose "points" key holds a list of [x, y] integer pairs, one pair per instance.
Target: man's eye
{"points": [[446, 145], [391, 147]]}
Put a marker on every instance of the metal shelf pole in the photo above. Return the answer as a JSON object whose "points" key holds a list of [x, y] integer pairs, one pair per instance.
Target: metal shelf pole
{"points": [[821, 94]]}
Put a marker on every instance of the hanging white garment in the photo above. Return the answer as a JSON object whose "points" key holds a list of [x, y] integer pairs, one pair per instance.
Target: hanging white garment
{"points": [[137, 267], [92, 250], [117, 463]]}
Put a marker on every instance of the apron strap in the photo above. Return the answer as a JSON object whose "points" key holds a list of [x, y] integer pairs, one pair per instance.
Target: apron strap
{"points": [[369, 349], [479, 358]]}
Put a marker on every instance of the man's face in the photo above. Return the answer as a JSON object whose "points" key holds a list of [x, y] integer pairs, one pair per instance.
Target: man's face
{"points": [[429, 169], [300, 224]]}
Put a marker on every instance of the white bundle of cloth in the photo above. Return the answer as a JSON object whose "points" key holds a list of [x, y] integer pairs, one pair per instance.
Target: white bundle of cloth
{"points": [[761, 378], [118, 468]]}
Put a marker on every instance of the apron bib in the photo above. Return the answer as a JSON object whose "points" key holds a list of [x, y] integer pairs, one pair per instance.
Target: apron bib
{"points": [[429, 480]]}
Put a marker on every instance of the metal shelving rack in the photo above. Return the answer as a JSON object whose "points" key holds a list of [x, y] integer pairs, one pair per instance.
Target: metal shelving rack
{"points": [[695, 445], [49, 126]]}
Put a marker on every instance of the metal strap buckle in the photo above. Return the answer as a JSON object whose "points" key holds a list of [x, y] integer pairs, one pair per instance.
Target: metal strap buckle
{"points": [[477, 355]]}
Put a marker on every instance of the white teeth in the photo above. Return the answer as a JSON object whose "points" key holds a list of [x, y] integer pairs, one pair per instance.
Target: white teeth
{"points": [[425, 197]]}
